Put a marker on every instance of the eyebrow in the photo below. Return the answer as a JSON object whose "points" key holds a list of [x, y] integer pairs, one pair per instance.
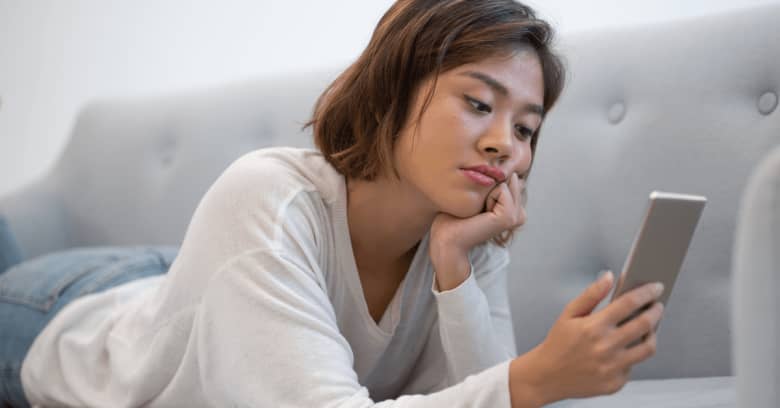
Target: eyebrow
{"points": [[501, 89]]}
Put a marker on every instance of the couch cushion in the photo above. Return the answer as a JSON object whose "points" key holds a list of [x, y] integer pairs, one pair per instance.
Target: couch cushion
{"points": [[708, 392]]}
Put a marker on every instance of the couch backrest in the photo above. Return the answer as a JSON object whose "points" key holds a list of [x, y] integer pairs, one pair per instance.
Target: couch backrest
{"points": [[135, 169], [684, 106]]}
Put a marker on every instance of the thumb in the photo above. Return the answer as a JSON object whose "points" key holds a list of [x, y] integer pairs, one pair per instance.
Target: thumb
{"points": [[591, 297]]}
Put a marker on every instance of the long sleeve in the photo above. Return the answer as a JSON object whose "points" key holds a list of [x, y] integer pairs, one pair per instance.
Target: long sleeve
{"points": [[267, 332], [475, 325], [267, 336], [256, 310]]}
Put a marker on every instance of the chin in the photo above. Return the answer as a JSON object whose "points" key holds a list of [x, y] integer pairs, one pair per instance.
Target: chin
{"points": [[463, 205]]}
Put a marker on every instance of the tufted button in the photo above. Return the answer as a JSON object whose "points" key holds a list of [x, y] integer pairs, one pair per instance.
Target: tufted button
{"points": [[767, 103], [264, 134], [616, 112], [167, 148]]}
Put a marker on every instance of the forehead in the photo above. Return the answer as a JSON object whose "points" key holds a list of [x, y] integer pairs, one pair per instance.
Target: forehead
{"points": [[519, 73]]}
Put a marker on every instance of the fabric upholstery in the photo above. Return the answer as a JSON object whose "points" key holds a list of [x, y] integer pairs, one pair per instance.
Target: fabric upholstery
{"points": [[682, 106], [672, 107], [134, 170], [756, 317], [710, 392], [36, 218]]}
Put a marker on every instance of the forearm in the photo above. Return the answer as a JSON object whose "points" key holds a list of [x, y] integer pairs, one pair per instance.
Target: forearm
{"points": [[472, 337]]}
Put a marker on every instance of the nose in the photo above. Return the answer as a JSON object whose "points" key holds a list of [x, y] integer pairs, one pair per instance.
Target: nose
{"points": [[497, 142]]}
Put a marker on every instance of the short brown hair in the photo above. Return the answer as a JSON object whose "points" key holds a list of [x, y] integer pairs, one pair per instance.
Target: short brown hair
{"points": [[358, 118]]}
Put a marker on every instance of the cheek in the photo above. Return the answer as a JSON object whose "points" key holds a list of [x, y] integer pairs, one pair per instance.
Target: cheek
{"points": [[525, 165], [446, 123], [525, 157]]}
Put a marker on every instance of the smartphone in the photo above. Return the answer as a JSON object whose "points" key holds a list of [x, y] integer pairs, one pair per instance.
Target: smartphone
{"points": [[660, 246]]}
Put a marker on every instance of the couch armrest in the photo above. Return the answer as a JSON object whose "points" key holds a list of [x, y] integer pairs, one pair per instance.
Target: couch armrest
{"points": [[36, 218], [756, 284]]}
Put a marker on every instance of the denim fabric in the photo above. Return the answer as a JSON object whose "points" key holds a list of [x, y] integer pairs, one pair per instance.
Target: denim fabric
{"points": [[10, 254], [31, 294]]}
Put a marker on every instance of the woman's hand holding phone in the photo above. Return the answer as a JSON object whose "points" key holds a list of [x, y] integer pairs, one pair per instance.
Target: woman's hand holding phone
{"points": [[586, 354], [452, 238]]}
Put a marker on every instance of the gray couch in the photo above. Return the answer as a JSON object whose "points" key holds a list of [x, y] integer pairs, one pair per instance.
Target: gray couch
{"points": [[685, 106]]}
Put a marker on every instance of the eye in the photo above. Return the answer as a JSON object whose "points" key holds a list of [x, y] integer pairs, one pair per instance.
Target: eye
{"points": [[478, 105], [524, 131]]}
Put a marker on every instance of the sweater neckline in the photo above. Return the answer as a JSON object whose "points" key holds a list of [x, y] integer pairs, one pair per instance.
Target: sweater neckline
{"points": [[394, 309]]}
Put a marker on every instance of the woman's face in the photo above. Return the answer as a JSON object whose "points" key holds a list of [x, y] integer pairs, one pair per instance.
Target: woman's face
{"points": [[480, 114]]}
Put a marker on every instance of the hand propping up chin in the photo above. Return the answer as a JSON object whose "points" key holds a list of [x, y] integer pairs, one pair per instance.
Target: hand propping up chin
{"points": [[452, 238]]}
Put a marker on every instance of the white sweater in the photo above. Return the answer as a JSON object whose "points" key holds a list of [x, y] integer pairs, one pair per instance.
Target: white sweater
{"points": [[263, 307]]}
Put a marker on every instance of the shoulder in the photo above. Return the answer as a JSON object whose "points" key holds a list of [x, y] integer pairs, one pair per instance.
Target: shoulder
{"points": [[281, 171], [266, 194]]}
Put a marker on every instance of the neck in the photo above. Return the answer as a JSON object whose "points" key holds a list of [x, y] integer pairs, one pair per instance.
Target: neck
{"points": [[387, 220]]}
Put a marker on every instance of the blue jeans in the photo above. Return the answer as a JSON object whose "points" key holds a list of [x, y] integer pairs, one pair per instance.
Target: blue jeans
{"points": [[33, 292]]}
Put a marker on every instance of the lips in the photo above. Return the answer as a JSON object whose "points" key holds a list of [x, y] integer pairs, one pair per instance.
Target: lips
{"points": [[485, 175], [479, 178]]}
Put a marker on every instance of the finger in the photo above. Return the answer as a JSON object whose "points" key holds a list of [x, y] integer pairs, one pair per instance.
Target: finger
{"points": [[521, 195], [521, 192], [583, 304], [514, 187], [487, 225], [492, 199], [500, 195], [628, 303], [520, 199], [639, 326], [641, 351], [512, 213]]}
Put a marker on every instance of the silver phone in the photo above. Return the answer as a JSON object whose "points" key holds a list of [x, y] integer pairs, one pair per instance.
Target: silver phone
{"points": [[660, 246]]}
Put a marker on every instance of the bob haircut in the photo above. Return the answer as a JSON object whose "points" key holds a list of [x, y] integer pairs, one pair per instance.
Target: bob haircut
{"points": [[358, 118]]}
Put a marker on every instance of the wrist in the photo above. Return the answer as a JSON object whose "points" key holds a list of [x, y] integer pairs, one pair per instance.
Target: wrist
{"points": [[450, 271], [528, 384], [451, 267]]}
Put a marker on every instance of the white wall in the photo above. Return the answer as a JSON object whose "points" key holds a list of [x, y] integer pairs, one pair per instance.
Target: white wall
{"points": [[57, 54]]}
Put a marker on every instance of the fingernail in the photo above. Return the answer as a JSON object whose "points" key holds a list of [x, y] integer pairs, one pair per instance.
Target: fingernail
{"points": [[606, 276], [658, 288]]}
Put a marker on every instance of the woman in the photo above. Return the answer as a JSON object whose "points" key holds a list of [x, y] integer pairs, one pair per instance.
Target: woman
{"points": [[369, 271]]}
